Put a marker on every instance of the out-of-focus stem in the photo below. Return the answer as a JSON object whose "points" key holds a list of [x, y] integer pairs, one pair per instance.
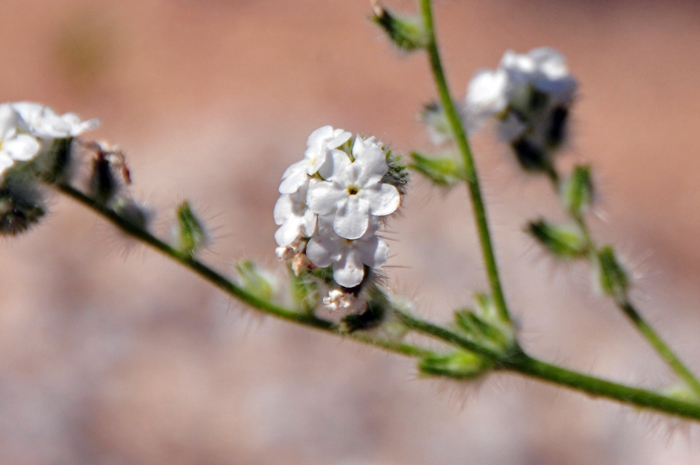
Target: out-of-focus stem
{"points": [[472, 177], [629, 310]]}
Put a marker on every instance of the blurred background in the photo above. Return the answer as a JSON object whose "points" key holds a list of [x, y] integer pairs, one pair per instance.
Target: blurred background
{"points": [[110, 354]]}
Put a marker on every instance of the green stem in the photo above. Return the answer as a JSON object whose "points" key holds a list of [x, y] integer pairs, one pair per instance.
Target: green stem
{"points": [[661, 347], [623, 303], [450, 337], [223, 283], [472, 178], [517, 362], [590, 385]]}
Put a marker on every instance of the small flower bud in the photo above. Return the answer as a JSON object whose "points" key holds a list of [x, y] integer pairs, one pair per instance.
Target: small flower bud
{"points": [[190, 233], [565, 241], [484, 324], [458, 365], [254, 280], [300, 262], [398, 175], [109, 172], [611, 277], [22, 204], [442, 171], [406, 32], [345, 302], [577, 192]]}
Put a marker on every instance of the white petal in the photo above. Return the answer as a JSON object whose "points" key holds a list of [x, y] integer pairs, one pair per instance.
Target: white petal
{"points": [[516, 63], [322, 251], [308, 224], [21, 148], [487, 91], [549, 62], [27, 110], [284, 208], [5, 163], [373, 166], [336, 163], [374, 252], [339, 138], [358, 147], [288, 232], [325, 225], [349, 271], [78, 127], [352, 218], [384, 199], [319, 136], [9, 119], [324, 197], [552, 75], [294, 177]]}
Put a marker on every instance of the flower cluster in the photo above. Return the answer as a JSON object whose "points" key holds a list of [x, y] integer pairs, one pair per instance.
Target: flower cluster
{"points": [[34, 145], [27, 128], [333, 203], [530, 96]]}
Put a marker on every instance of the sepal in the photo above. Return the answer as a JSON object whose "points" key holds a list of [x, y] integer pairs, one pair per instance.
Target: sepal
{"points": [[441, 171], [460, 365], [406, 32], [577, 193], [563, 241]]}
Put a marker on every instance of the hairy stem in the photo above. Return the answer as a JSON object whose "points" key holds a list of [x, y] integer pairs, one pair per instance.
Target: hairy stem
{"points": [[225, 284], [629, 310], [472, 178], [517, 361], [659, 345], [590, 385]]}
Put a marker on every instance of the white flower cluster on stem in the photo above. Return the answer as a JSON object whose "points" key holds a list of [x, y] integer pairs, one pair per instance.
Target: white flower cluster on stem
{"points": [[26, 128], [335, 201], [492, 92], [529, 95]]}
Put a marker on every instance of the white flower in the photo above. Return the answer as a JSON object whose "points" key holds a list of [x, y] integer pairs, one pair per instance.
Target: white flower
{"points": [[542, 68], [320, 144], [294, 217], [552, 75], [354, 192], [339, 300], [14, 146], [348, 257], [491, 92], [41, 121], [486, 96]]}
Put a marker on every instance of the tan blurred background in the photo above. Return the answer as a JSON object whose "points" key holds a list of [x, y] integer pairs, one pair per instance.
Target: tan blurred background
{"points": [[110, 354]]}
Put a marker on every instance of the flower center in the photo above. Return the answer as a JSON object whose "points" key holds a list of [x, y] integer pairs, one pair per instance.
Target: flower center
{"points": [[353, 190]]}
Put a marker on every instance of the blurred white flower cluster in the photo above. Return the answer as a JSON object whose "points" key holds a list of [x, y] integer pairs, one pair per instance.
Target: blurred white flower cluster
{"points": [[530, 96], [27, 128], [333, 203]]}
